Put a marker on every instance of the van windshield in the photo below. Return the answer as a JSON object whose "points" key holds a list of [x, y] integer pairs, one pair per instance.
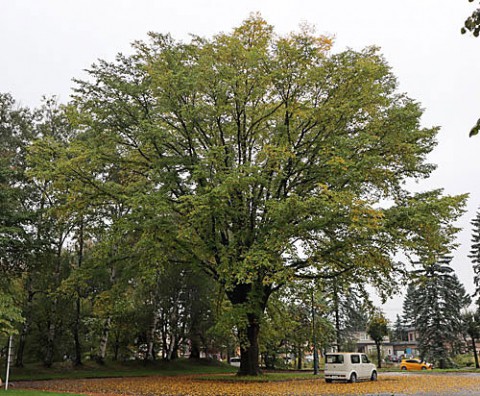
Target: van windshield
{"points": [[334, 359]]}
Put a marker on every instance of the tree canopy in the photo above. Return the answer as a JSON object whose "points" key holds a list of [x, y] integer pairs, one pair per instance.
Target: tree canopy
{"points": [[259, 158]]}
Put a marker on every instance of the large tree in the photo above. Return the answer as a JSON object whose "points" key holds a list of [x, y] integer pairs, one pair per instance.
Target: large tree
{"points": [[260, 158]]}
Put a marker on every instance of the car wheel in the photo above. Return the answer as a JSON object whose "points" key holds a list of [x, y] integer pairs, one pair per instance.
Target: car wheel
{"points": [[328, 380], [403, 368], [424, 368], [373, 377], [353, 378]]}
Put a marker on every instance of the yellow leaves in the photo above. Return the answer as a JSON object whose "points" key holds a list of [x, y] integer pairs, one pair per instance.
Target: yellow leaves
{"points": [[193, 385]]}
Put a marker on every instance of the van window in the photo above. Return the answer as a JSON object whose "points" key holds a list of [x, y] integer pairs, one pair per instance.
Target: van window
{"points": [[365, 359], [355, 359], [334, 359]]}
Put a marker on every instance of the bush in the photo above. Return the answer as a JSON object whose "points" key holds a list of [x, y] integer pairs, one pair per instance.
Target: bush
{"points": [[464, 360]]}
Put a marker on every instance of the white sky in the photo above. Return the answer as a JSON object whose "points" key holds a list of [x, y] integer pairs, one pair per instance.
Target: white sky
{"points": [[46, 43]]}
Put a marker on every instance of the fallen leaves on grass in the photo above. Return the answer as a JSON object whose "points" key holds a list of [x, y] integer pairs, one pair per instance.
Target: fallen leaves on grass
{"points": [[193, 386]]}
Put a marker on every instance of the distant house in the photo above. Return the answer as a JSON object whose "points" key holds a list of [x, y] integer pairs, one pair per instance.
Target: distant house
{"points": [[406, 347]]}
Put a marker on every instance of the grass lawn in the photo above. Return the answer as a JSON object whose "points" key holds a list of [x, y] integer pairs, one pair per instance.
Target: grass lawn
{"points": [[91, 369]]}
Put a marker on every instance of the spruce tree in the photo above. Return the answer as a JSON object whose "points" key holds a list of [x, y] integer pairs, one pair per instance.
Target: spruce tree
{"points": [[432, 305], [475, 252]]}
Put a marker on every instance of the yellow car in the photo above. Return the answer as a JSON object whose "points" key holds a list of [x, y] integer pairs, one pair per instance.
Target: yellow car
{"points": [[414, 364]]}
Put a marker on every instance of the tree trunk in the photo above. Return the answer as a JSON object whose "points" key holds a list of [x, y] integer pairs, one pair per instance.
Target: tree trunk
{"points": [[151, 337], [26, 325], [299, 360], [249, 351], [194, 347], [475, 354], [338, 330], [379, 355], [76, 326], [102, 348], [48, 358], [21, 345], [76, 334]]}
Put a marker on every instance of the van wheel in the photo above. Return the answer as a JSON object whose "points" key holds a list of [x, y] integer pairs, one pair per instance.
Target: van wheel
{"points": [[373, 376], [353, 378], [328, 380]]}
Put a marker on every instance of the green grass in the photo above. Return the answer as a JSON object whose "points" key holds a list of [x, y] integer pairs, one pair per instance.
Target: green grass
{"points": [[91, 369], [11, 392]]}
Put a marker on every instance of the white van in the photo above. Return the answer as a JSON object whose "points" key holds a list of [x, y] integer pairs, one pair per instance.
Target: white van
{"points": [[349, 367]]}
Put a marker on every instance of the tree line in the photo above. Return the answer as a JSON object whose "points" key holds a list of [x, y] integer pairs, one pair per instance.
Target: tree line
{"points": [[212, 194]]}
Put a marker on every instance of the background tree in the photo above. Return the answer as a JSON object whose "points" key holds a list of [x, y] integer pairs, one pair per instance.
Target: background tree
{"points": [[475, 252], [400, 333], [433, 307], [377, 329], [471, 326], [16, 215], [349, 307]]}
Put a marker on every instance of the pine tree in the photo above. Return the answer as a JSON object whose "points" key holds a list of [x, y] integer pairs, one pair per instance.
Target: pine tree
{"points": [[399, 330], [475, 252], [432, 305]]}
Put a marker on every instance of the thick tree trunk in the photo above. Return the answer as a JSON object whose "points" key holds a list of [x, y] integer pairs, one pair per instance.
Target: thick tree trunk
{"points": [[250, 351], [194, 347], [254, 296]]}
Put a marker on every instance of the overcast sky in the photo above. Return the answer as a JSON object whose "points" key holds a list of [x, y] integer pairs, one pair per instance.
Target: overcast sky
{"points": [[46, 43]]}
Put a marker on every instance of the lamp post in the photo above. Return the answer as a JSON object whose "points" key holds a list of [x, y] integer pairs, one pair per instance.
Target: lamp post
{"points": [[9, 356]]}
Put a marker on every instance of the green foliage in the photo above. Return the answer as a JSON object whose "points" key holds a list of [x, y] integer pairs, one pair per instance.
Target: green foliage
{"points": [[261, 158], [377, 327], [253, 158], [475, 252], [433, 306], [472, 24]]}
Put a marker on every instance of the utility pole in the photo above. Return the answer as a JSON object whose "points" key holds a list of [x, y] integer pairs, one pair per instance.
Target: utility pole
{"points": [[314, 337]]}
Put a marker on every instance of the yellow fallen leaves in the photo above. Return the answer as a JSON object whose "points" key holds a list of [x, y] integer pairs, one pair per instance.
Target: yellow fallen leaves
{"points": [[193, 385]]}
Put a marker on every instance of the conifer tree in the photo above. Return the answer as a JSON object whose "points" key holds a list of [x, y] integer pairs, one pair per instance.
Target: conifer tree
{"points": [[433, 306], [475, 252]]}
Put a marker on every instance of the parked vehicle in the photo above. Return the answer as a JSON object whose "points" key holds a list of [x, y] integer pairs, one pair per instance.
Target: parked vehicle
{"points": [[349, 367], [415, 364], [235, 361]]}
